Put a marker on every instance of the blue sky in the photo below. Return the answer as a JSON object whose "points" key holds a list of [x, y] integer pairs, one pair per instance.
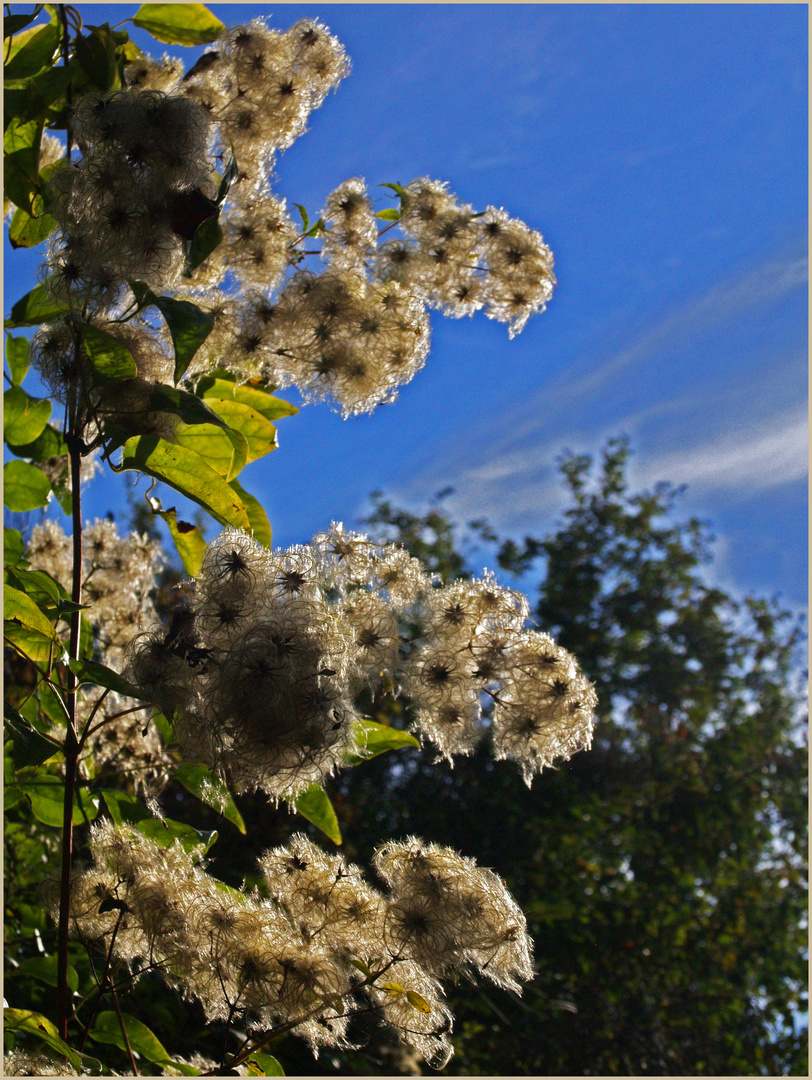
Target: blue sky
{"points": [[662, 152]]}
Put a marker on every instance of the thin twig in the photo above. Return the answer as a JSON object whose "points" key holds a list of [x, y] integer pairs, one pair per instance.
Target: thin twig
{"points": [[113, 716], [124, 1031], [102, 985]]}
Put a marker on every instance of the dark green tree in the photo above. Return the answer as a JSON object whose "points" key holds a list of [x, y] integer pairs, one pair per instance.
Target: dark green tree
{"points": [[663, 874]]}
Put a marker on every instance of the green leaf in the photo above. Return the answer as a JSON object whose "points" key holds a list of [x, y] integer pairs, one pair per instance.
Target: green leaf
{"points": [[373, 739], [96, 55], [13, 546], [188, 324], [107, 1029], [399, 188], [189, 541], [25, 487], [21, 178], [179, 24], [264, 1065], [179, 1066], [124, 809], [260, 525], [27, 628], [222, 448], [52, 707], [187, 473], [187, 406], [22, 135], [165, 832], [94, 674], [47, 795], [32, 644], [259, 433], [21, 145], [314, 804], [227, 179], [202, 430], [32, 1023], [207, 237], [164, 728], [49, 443], [12, 24], [393, 988], [211, 790], [31, 98], [30, 51], [111, 359], [24, 417], [304, 216], [40, 587], [391, 214], [34, 308], [17, 358], [31, 747], [44, 968], [26, 231]]}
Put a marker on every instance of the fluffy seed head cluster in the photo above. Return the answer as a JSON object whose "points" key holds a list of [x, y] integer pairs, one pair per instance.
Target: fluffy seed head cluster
{"points": [[336, 335], [462, 261], [118, 578], [60, 353], [276, 646], [20, 1063], [352, 333], [144, 73], [258, 236], [353, 233], [324, 944], [448, 914], [120, 210], [118, 581], [260, 85], [259, 679]]}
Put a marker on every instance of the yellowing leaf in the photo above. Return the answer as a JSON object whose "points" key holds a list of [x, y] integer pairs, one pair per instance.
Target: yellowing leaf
{"points": [[189, 541], [259, 433], [417, 1002], [179, 24], [188, 473]]}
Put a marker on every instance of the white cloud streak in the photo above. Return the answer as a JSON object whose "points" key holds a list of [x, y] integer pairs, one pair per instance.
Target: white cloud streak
{"points": [[729, 446], [742, 463]]}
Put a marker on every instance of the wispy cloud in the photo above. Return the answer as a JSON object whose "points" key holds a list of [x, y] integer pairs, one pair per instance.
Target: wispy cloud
{"points": [[730, 439], [741, 463]]}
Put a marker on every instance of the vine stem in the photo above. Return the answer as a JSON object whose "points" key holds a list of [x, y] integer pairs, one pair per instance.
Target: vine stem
{"points": [[72, 747]]}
